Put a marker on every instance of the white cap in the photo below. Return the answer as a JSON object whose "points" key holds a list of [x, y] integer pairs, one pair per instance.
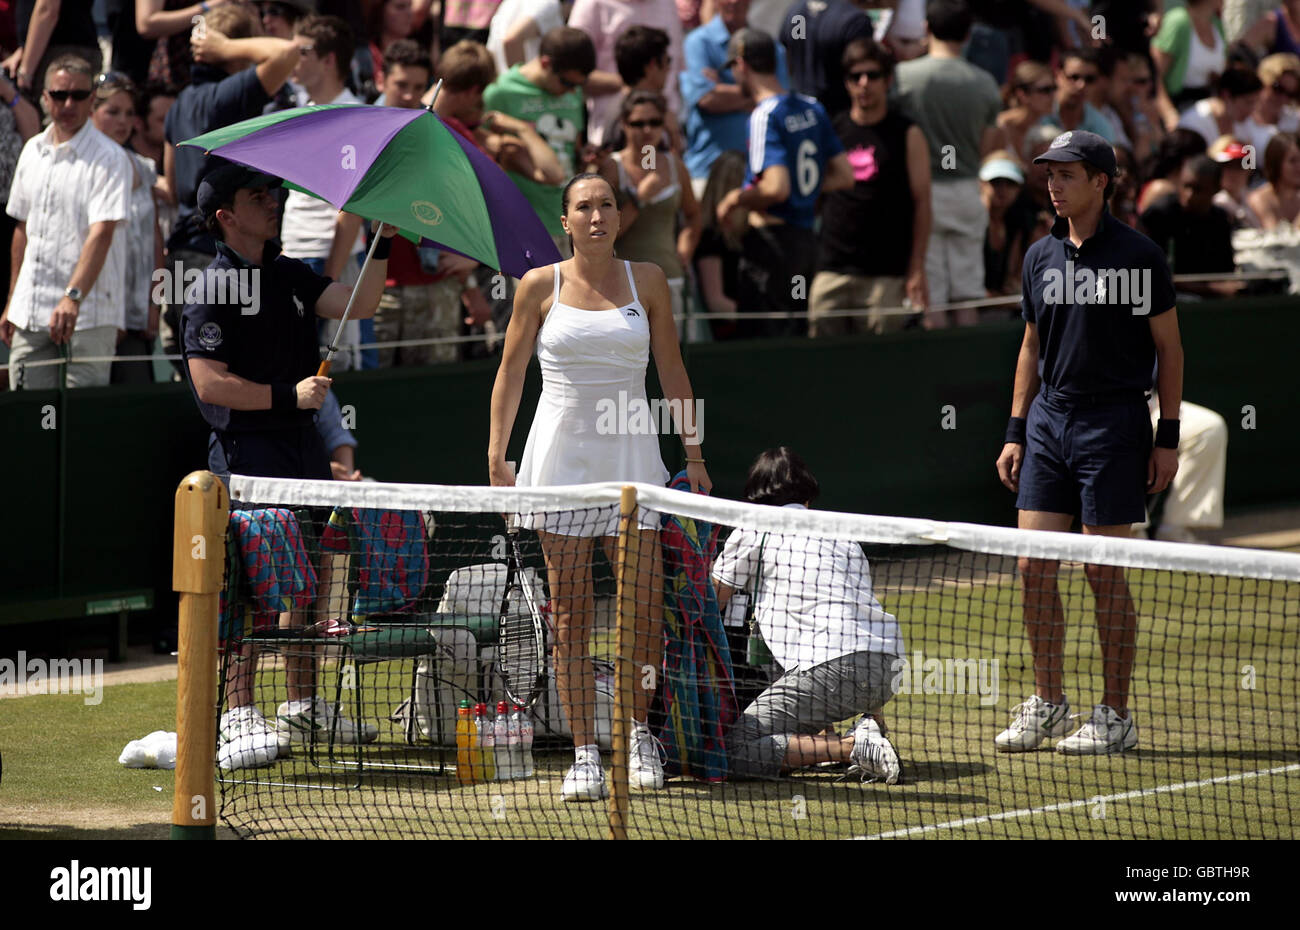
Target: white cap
{"points": [[1002, 168]]}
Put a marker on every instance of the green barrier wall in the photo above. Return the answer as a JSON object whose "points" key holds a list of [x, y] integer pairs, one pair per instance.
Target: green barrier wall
{"points": [[866, 413]]}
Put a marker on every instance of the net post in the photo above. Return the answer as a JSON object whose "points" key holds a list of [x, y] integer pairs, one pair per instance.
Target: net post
{"points": [[198, 570], [624, 673]]}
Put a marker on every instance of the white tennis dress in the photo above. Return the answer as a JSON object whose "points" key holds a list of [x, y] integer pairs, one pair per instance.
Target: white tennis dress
{"points": [[586, 427]]}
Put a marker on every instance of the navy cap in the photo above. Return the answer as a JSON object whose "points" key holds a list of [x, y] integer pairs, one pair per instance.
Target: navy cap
{"points": [[219, 185], [1081, 145]]}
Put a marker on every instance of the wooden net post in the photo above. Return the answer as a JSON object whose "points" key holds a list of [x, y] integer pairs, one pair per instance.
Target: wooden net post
{"points": [[198, 571], [624, 667]]}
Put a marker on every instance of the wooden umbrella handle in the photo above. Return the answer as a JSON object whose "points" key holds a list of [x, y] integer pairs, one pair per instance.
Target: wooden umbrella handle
{"points": [[324, 370]]}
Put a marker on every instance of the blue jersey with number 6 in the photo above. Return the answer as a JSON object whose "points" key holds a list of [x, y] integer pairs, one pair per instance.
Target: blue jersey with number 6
{"points": [[794, 131]]}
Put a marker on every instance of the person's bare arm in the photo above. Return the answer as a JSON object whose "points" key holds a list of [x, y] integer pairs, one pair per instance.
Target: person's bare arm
{"points": [[153, 22], [333, 301], [601, 83], [343, 464], [516, 36], [45, 15], [168, 187], [676, 384], [275, 58], [26, 119], [773, 187], [725, 98], [532, 157], [692, 216], [508, 388], [839, 175], [710, 270], [214, 383], [420, 10], [1026, 386], [918, 177], [724, 595], [1169, 386], [346, 228], [1168, 112]]}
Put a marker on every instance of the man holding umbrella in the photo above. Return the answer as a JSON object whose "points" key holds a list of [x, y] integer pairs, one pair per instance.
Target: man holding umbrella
{"points": [[252, 355]]}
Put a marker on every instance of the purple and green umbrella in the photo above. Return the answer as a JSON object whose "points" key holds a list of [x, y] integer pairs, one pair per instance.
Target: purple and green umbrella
{"points": [[399, 166]]}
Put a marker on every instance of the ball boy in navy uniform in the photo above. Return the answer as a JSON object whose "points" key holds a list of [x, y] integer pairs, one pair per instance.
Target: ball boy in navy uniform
{"points": [[249, 339], [1099, 314]]}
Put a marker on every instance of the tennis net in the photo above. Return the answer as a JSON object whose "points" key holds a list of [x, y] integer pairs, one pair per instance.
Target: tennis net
{"points": [[860, 680]]}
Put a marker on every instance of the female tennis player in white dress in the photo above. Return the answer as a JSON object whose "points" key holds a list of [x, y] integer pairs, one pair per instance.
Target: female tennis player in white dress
{"points": [[593, 320]]}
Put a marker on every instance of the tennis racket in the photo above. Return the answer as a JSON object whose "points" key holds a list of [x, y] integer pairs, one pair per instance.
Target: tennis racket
{"points": [[521, 631]]}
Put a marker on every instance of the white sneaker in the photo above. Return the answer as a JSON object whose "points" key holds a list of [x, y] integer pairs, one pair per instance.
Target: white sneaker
{"points": [[303, 721], [585, 780], [247, 740], [873, 756], [1036, 720], [645, 759], [1105, 731]]}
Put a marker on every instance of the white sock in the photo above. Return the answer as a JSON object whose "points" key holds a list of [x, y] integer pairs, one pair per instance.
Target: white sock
{"points": [[592, 750]]}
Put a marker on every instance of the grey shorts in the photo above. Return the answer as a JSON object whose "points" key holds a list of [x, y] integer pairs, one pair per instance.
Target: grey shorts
{"points": [[806, 702]]}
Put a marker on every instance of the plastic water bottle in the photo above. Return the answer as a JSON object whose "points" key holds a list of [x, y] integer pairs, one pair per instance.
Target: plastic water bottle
{"points": [[466, 745], [505, 761], [525, 742], [515, 741], [487, 769]]}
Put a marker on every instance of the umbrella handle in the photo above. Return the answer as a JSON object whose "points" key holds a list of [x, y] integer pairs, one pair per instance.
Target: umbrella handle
{"points": [[324, 370]]}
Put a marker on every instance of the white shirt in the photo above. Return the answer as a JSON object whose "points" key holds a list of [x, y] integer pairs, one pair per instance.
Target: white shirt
{"points": [[1260, 134], [307, 230], [1199, 118], [546, 13], [815, 602], [135, 238], [1204, 62], [60, 191]]}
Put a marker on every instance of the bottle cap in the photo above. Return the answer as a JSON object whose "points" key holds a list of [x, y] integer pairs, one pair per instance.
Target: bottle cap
{"points": [[503, 707], [480, 708], [465, 703]]}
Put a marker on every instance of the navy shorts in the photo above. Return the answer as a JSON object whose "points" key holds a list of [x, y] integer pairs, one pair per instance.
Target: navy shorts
{"points": [[1087, 459]]}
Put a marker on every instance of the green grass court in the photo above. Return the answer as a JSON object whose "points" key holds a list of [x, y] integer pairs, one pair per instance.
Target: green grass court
{"points": [[1215, 698]]}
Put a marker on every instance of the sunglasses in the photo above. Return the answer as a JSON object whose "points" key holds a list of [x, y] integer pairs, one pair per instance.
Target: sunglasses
{"points": [[1038, 88], [871, 75], [1081, 78], [645, 124], [59, 96], [110, 82]]}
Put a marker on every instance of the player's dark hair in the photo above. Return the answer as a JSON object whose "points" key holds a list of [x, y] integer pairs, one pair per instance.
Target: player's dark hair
{"points": [[863, 50], [637, 49], [329, 34], [569, 50], [778, 477], [949, 20], [640, 98], [1238, 82], [409, 54]]}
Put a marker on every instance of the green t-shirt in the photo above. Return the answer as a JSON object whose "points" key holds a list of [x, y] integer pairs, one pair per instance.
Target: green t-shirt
{"points": [[558, 120], [953, 102]]}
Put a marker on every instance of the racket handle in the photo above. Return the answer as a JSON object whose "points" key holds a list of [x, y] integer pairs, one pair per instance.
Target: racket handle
{"points": [[324, 370]]}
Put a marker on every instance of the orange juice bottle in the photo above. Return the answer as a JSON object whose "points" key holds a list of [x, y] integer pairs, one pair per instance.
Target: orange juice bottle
{"points": [[467, 768]]}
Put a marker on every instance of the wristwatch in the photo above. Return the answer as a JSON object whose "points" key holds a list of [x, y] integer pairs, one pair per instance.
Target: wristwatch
{"points": [[74, 294]]}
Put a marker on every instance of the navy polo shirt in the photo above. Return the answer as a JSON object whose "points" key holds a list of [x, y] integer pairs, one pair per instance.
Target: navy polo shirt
{"points": [[1092, 306], [275, 344]]}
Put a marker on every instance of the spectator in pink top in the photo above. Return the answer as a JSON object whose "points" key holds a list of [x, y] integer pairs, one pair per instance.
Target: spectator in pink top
{"points": [[605, 21]]}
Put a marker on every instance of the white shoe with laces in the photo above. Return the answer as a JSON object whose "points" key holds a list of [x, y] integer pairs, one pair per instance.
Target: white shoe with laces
{"points": [[1035, 721], [585, 780], [645, 760], [873, 756], [1103, 732], [247, 740]]}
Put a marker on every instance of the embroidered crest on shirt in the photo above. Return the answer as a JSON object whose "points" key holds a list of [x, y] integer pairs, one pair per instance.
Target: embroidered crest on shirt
{"points": [[210, 335]]}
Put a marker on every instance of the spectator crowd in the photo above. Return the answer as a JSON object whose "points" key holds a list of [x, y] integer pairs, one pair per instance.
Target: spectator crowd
{"points": [[831, 166]]}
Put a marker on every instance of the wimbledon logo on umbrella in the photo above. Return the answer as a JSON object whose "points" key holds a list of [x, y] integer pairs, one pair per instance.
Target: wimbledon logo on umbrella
{"points": [[427, 213]]}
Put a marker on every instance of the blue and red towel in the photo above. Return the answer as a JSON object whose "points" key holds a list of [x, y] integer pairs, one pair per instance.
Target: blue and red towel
{"points": [[698, 691], [274, 571], [392, 562]]}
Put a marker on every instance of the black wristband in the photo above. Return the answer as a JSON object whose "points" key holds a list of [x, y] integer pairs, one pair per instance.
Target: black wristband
{"points": [[1166, 434], [284, 397], [383, 249], [1016, 430]]}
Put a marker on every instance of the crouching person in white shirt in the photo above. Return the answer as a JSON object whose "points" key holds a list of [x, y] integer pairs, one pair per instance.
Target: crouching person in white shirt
{"points": [[71, 189], [835, 643]]}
